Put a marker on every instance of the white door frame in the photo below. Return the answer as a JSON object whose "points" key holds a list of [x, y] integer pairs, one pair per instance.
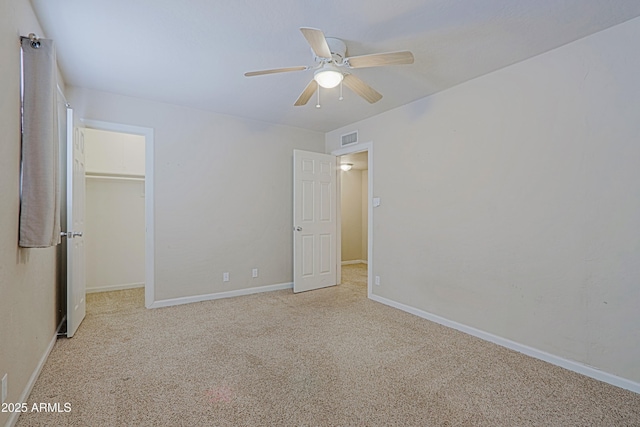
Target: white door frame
{"points": [[358, 148], [149, 289]]}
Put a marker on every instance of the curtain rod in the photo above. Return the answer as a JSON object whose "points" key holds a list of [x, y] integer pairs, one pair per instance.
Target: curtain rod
{"points": [[35, 40], [35, 43]]}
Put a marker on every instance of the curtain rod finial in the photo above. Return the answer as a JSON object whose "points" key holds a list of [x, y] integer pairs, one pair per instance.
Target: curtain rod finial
{"points": [[34, 40]]}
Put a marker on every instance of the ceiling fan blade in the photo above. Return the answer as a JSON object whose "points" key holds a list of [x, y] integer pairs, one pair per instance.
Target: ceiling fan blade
{"points": [[380, 59], [274, 71], [306, 93], [361, 88], [316, 40]]}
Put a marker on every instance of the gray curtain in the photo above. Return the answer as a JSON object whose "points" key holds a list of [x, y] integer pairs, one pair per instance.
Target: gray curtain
{"points": [[40, 192]]}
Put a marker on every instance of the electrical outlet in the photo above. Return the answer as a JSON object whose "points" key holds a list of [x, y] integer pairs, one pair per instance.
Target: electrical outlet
{"points": [[254, 273], [377, 280], [225, 277], [4, 388]]}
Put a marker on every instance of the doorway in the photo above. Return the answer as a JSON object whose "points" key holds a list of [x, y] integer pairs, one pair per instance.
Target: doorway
{"points": [[354, 218], [355, 228], [120, 186], [114, 215]]}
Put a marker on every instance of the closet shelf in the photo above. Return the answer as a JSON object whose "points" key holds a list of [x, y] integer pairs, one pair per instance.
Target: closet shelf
{"points": [[114, 176]]}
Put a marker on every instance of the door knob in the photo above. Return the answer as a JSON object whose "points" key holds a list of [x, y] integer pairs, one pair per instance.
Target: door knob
{"points": [[76, 234], [298, 228]]}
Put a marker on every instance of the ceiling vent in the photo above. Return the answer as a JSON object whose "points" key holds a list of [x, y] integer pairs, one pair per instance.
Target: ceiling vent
{"points": [[349, 138]]}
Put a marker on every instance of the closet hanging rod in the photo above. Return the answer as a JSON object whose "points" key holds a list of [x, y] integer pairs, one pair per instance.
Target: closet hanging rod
{"points": [[35, 40], [115, 177]]}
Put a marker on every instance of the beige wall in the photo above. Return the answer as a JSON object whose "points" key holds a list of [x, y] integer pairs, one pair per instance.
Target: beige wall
{"points": [[27, 276], [114, 153], [222, 190], [114, 234], [351, 214], [512, 204], [354, 214]]}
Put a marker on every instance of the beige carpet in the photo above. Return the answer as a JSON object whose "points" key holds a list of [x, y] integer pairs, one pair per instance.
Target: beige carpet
{"points": [[322, 358]]}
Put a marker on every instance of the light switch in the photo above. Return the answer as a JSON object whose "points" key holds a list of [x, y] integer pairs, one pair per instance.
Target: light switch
{"points": [[376, 202]]}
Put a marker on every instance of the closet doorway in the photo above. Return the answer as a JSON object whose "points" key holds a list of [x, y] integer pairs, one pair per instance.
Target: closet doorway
{"points": [[119, 207], [136, 167], [115, 210]]}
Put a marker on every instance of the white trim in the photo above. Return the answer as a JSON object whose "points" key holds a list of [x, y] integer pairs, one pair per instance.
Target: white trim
{"points": [[571, 365], [112, 177], [357, 148], [149, 204], [13, 418], [220, 295], [352, 262], [109, 288], [338, 243]]}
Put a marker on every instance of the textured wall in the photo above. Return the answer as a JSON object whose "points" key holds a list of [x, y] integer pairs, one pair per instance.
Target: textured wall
{"points": [[222, 189], [511, 203], [351, 221], [27, 276], [114, 233]]}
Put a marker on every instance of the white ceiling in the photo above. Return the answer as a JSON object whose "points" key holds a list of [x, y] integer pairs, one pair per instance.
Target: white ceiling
{"points": [[359, 161], [195, 53]]}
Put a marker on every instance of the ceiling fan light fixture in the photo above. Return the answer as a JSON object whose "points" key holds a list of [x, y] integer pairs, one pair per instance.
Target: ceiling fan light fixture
{"points": [[328, 76], [330, 56]]}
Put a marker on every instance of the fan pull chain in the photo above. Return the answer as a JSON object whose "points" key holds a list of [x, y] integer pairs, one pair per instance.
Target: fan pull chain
{"points": [[318, 104], [341, 98]]}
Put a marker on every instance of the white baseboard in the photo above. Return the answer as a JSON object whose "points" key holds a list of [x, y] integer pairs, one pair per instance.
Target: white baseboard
{"points": [[114, 287], [13, 419], [219, 295], [355, 261], [571, 365]]}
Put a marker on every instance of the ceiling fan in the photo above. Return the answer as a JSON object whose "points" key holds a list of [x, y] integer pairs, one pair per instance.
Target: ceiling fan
{"points": [[333, 65]]}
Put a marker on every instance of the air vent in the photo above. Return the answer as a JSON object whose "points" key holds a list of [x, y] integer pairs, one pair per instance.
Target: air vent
{"points": [[349, 139]]}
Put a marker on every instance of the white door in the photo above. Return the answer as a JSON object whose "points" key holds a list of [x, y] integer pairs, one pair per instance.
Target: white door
{"points": [[314, 220], [76, 275]]}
